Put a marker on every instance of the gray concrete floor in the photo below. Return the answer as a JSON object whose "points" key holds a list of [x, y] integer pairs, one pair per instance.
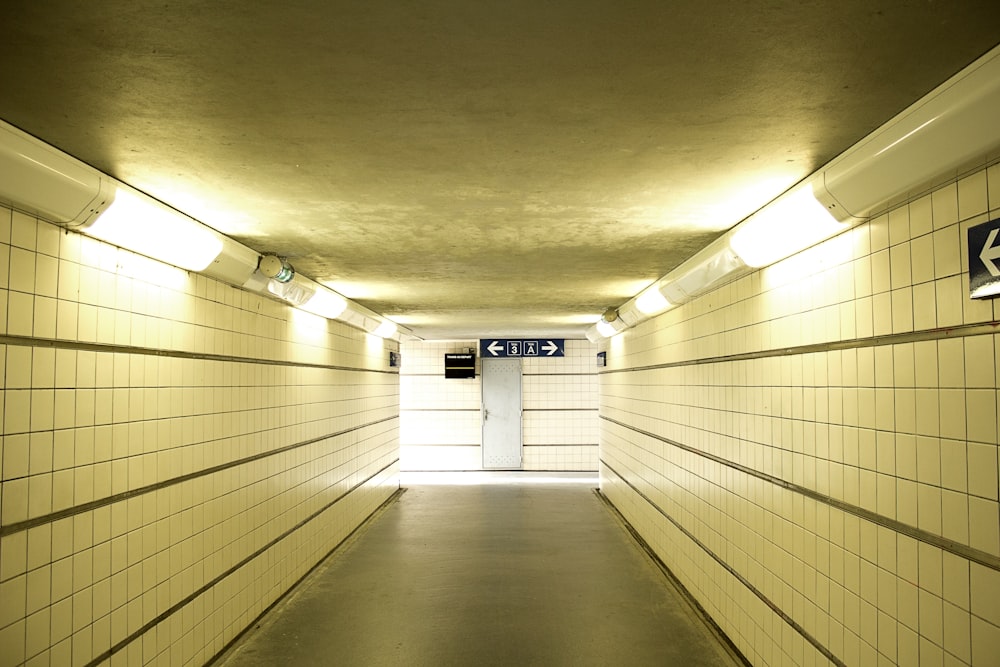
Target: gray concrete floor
{"points": [[493, 570]]}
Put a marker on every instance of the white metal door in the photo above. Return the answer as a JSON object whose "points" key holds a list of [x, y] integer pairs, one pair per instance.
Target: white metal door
{"points": [[501, 381]]}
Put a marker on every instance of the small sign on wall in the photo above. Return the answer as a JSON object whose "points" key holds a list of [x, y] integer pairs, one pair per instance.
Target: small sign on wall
{"points": [[602, 359], [984, 260], [460, 365], [394, 360]]}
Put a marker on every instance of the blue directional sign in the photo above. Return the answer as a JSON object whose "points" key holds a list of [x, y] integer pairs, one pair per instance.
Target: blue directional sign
{"points": [[495, 348], [984, 257]]}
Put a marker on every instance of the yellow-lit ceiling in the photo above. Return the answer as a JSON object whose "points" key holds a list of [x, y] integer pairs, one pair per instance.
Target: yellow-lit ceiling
{"points": [[474, 168]]}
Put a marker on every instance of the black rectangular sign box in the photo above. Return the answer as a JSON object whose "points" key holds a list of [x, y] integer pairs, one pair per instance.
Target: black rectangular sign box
{"points": [[460, 366]]}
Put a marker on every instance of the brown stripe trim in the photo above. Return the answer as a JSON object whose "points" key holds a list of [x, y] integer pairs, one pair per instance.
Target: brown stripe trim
{"points": [[193, 596], [753, 589], [125, 495], [29, 341]]}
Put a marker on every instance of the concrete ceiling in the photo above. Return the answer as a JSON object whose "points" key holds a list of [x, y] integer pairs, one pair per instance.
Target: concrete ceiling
{"points": [[474, 168]]}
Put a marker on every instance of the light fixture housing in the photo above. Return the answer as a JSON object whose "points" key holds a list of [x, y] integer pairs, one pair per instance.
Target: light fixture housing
{"points": [[610, 323], [325, 303], [145, 226], [42, 181], [949, 132], [276, 268], [713, 265], [297, 292], [385, 329], [652, 301], [791, 223]]}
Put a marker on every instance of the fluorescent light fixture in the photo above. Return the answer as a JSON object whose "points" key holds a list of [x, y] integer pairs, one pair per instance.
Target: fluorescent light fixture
{"points": [[43, 181], [610, 323], [652, 301], [325, 302], [385, 329], [713, 265], [605, 329], [142, 225], [793, 222], [951, 129], [942, 136], [648, 303], [946, 132], [297, 292]]}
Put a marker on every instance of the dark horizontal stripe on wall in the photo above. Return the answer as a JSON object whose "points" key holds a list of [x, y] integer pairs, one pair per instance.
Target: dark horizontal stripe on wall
{"points": [[965, 330], [558, 375], [753, 589], [983, 558], [56, 343], [126, 495], [560, 409], [235, 568]]}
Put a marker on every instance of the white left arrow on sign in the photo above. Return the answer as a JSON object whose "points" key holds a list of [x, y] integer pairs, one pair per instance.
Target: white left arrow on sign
{"points": [[989, 253], [550, 347], [494, 347]]}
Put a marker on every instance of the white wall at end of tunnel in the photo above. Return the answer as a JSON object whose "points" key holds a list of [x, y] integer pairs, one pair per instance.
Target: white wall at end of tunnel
{"points": [[441, 423], [812, 449], [175, 452]]}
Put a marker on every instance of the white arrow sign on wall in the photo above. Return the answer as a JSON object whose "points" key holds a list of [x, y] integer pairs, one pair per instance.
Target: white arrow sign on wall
{"points": [[990, 253]]}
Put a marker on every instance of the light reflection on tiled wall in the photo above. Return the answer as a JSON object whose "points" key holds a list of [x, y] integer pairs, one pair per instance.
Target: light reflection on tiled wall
{"points": [[854, 487], [176, 452], [440, 420]]}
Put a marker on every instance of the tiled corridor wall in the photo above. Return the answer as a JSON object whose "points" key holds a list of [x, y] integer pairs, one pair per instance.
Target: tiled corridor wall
{"points": [[440, 420], [176, 452], [812, 449]]}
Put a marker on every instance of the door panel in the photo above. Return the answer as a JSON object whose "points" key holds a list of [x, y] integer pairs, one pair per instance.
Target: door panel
{"points": [[501, 382]]}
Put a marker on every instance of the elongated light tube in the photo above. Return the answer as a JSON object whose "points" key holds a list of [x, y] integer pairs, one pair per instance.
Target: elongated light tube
{"points": [[652, 301], [326, 303], [385, 329], [150, 229], [792, 223]]}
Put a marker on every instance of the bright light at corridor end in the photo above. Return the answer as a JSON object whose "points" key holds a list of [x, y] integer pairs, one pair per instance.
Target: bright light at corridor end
{"points": [[946, 134]]}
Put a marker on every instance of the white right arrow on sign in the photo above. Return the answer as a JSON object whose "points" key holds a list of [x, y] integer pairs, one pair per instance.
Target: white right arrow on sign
{"points": [[494, 347], [989, 253], [550, 347]]}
